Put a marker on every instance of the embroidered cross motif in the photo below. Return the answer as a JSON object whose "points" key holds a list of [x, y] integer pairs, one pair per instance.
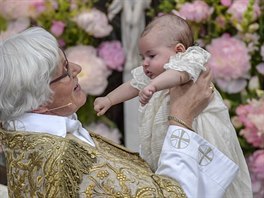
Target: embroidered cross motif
{"points": [[179, 139], [205, 155]]}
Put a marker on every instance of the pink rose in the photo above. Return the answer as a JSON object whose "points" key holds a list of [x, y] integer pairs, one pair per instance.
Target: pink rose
{"points": [[230, 63], [94, 74], [113, 54], [197, 11], [57, 28]]}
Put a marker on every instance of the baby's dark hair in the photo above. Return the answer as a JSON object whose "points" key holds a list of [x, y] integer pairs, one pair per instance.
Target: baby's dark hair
{"points": [[172, 28]]}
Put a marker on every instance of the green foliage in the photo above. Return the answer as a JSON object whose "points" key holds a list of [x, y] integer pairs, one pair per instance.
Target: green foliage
{"points": [[167, 6], [3, 24]]}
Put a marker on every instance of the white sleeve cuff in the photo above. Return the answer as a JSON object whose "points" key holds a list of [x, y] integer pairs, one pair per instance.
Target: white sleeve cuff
{"points": [[200, 168]]}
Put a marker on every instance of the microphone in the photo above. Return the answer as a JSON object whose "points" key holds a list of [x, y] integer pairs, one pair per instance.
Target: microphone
{"points": [[61, 107]]}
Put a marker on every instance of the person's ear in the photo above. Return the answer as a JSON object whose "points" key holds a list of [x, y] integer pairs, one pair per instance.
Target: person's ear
{"points": [[41, 109], [179, 48]]}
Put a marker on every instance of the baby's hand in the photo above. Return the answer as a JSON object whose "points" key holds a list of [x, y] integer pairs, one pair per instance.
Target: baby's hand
{"points": [[146, 94], [101, 105]]}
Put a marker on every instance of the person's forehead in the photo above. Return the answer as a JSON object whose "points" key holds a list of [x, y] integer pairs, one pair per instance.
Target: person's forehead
{"points": [[155, 37]]}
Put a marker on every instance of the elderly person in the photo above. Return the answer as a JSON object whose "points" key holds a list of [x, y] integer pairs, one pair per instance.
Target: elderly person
{"points": [[50, 154]]}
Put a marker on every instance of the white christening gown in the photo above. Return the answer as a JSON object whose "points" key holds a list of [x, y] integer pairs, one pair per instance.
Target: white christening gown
{"points": [[213, 123]]}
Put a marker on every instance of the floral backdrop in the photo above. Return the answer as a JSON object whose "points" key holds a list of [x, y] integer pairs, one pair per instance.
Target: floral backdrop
{"points": [[231, 30], [87, 37]]}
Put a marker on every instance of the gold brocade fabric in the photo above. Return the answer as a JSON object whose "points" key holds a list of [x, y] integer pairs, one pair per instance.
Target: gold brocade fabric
{"points": [[44, 165]]}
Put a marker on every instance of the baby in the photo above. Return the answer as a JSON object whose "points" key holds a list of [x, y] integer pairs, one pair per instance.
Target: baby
{"points": [[169, 60]]}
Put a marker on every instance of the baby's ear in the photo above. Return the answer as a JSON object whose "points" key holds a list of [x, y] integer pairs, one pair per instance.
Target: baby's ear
{"points": [[179, 48]]}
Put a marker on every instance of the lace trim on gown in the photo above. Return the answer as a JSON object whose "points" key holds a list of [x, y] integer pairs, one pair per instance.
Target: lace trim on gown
{"points": [[191, 61], [139, 80]]}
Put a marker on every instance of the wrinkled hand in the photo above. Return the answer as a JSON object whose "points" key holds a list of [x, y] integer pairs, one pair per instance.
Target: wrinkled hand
{"points": [[101, 105], [146, 94], [189, 100]]}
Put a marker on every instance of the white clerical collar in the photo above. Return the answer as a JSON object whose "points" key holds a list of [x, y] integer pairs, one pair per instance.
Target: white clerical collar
{"points": [[52, 124]]}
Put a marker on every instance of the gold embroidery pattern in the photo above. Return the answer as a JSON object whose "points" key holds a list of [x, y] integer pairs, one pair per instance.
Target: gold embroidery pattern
{"points": [[42, 165], [121, 173]]}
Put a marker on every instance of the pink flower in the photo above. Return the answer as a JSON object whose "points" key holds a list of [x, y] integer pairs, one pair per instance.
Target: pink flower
{"points": [[93, 77], [238, 8], [113, 54], [252, 117], [13, 9], [57, 28], [197, 11], [252, 137], [257, 188], [94, 22], [230, 63], [256, 163], [226, 3], [39, 6], [103, 130], [256, 169]]}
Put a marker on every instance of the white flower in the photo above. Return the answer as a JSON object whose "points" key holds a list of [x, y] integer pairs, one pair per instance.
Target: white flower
{"points": [[93, 77], [94, 22]]}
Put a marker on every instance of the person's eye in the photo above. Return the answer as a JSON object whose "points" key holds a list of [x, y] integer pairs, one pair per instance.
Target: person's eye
{"points": [[151, 56]]}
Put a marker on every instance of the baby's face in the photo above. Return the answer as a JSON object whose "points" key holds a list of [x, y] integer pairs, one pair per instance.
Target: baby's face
{"points": [[154, 53]]}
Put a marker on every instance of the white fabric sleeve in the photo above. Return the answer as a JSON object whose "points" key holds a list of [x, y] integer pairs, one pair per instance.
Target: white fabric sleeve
{"points": [[191, 61], [200, 168], [139, 79]]}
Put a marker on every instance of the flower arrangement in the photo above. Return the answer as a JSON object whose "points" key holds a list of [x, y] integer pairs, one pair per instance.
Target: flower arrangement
{"points": [[233, 32], [86, 36]]}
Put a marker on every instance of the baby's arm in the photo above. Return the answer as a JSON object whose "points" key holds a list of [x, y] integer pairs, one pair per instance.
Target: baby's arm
{"points": [[121, 94], [168, 79]]}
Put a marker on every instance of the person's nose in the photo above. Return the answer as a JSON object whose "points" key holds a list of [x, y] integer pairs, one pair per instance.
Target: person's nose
{"points": [[145, 63], [75, 69]]}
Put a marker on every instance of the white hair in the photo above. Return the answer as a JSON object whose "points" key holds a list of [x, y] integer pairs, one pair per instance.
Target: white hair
{"points": [[28, 60]]}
